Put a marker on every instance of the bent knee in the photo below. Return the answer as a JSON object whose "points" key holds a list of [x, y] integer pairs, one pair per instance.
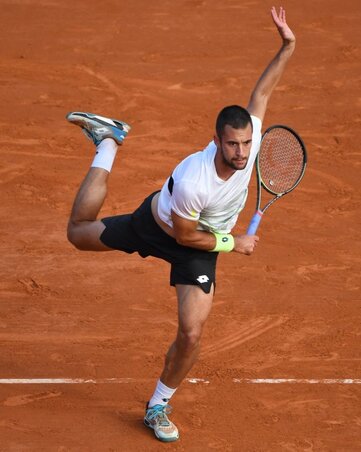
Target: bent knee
{"points": [[86, 236], [75, 238]]}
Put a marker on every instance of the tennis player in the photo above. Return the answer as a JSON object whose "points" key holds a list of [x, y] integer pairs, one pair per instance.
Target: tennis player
{"points": [[187, 223]]}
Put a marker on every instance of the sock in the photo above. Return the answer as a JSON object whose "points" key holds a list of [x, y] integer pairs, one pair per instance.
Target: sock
{"points": [[105, 154], [162, 394]]}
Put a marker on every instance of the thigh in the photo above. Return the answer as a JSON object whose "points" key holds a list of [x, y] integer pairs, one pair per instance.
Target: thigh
{"points": [[85, 235], [194, 267], [194, 306], [120, 235]]}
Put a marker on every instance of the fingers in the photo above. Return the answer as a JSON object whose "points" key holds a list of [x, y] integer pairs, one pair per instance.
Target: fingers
{"points": [[252, 245], [253, 238], [245, 244], [280, 17], [250, 250], [274, 14]]}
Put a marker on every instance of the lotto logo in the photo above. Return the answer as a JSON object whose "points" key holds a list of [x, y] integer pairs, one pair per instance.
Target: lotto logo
{"points": [[203, 279]]}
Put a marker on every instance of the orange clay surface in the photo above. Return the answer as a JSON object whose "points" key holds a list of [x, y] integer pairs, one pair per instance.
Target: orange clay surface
{"points": [[292, 310]]}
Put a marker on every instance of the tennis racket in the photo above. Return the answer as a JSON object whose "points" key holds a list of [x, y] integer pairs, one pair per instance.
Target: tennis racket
{"points": [[280, 166]]}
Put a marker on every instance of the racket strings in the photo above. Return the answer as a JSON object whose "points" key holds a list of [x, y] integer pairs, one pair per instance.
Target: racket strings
{"points": [[281, 161]]}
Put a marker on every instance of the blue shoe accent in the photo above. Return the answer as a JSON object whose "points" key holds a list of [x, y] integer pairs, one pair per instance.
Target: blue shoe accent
{"points": [[156, 418], [97, 127]]}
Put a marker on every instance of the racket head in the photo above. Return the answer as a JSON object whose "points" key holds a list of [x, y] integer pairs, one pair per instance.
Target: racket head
{"points": [[282, 159]]}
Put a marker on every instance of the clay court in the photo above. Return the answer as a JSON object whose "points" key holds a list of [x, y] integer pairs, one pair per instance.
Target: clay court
{"points": [[290, 313]]}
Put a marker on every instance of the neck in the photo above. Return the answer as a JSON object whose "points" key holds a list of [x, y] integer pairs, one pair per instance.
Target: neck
{"points": [[224, 171]]}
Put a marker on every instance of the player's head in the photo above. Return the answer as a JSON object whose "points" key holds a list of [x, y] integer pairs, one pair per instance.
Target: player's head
{"points": [[234, 137], [235, 116]]}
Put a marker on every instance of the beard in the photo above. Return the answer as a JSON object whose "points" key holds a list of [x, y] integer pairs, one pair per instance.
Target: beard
{"points": [[234, 163]]}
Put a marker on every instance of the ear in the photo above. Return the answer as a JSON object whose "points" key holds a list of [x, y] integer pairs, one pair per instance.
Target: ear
{"points": [[216, 140]]}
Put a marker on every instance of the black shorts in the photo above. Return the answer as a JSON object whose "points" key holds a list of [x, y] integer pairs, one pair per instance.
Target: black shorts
{"points": [[138, 232]]}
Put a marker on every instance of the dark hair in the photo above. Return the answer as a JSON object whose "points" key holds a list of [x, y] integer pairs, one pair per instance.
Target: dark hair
{"points": [[234, 116]]}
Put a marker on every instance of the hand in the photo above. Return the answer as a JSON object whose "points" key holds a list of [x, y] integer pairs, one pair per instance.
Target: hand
{"points": [[282, 27], [245, 244]]}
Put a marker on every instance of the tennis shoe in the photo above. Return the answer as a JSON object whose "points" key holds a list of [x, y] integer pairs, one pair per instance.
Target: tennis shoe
{"points": [[156, 418], [97, 128]]}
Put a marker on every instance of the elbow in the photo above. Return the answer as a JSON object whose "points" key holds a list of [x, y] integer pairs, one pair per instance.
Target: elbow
{"points": [[182, 240], [260, 97]]}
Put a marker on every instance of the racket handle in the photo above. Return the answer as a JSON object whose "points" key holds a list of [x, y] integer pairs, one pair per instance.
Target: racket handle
{"points": [[253, 225]]}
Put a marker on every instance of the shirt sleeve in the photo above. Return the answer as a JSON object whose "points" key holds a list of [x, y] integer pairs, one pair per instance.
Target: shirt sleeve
{"points": [[257, 126], [257, 134], [187, 201]]}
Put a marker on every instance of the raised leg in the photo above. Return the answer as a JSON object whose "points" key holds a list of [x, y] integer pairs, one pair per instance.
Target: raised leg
{"points": [[84, 229]]}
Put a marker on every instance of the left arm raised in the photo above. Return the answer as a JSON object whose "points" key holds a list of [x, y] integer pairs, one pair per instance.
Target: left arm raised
{"points": [[268, 81]]}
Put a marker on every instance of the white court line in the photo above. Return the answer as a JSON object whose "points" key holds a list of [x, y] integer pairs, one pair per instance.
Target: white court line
{"points": [[343, 381], [47, 381], [63, 381]]}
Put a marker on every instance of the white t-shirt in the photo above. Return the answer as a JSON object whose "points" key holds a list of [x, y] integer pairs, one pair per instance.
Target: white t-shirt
{"points": [[200, 195]]}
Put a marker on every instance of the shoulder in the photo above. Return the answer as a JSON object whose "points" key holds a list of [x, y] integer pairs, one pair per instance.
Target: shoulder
{"points": [[192, 178], [257, 125], [188, 188], [203, 155], [188, 199], [192, 167]]}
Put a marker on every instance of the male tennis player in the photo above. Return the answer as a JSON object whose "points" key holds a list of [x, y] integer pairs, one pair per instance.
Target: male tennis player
{"points": [[187, 223]]}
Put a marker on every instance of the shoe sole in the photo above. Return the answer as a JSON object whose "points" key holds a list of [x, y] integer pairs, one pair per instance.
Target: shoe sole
{"points": [[164, 440], [77, 118], [88, 121]]}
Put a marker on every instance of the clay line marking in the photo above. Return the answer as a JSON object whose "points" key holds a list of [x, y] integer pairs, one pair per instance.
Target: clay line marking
{"points": [[242, 331], [102, 78], [344, 381], [241, 338], [47, 381], [63, 381]]}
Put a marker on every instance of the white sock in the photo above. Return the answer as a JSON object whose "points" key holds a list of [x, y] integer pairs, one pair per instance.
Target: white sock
{"points": [[162, 394], [105, 154]]}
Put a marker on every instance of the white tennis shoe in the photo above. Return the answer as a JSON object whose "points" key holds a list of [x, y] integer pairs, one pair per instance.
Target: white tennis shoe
{"points": [[156, 418], [97, 128]]}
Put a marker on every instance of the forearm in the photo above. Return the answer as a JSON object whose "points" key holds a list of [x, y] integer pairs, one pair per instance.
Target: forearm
{"points": [[186, 233], [200, 240], [273, 72], [206, 241]]}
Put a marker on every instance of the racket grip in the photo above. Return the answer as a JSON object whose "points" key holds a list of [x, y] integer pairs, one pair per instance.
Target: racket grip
{"points": [[253, 225]]}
